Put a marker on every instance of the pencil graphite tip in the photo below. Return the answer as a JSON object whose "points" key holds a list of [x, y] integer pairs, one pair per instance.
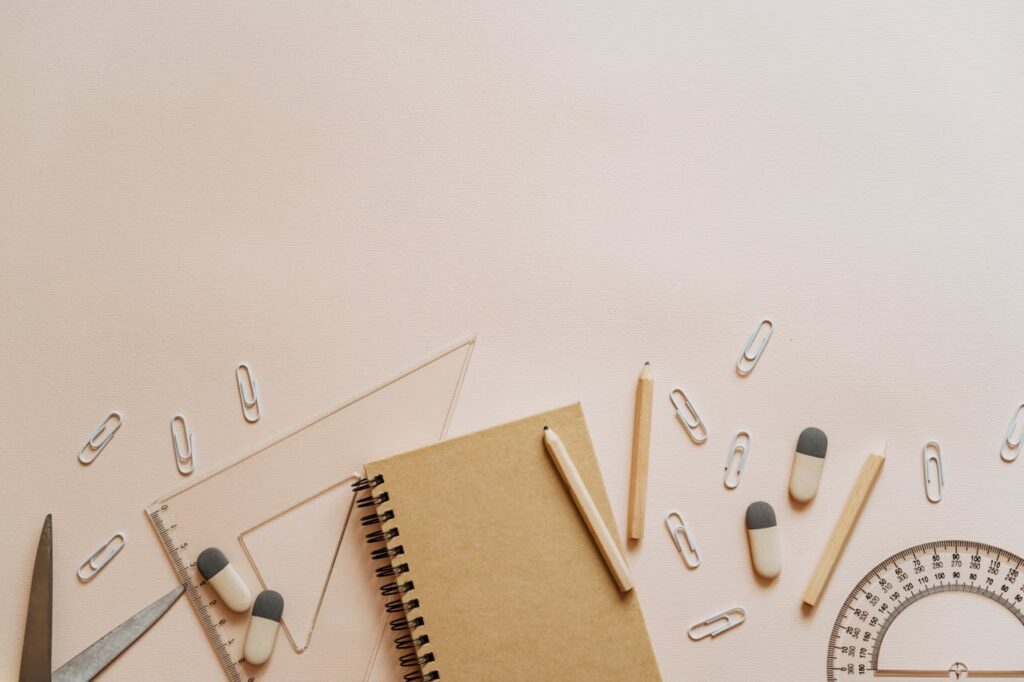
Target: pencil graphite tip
{"points": [[546, 428]]}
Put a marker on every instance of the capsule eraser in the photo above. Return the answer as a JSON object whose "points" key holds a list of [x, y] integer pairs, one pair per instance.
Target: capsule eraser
{"points": [[262, 634], [808, 463], [763, 533], [224, 579]]}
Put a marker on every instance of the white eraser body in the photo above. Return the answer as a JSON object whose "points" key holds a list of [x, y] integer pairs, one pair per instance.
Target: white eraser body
{"points": [[805, 476], [231, 589], [765, 551], [259, 641]]}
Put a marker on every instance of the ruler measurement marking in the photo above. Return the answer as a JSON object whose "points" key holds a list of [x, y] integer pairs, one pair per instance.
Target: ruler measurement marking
{"points": [[219, 645]]}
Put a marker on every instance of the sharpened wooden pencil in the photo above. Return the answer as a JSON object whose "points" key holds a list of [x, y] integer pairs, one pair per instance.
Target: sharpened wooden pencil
{"points": [[588, 510], [641, 453]]}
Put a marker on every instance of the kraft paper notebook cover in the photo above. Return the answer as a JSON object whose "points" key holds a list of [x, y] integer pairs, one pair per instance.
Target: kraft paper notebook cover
{"points": [[493, 565]]}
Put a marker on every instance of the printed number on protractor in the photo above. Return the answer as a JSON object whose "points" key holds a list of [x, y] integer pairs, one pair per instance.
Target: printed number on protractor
{"points": [[951, 609]]}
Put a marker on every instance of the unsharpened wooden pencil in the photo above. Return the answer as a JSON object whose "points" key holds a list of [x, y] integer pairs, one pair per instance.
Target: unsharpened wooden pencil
{"points": [[588, 510], [841, 533], [641, 453]]}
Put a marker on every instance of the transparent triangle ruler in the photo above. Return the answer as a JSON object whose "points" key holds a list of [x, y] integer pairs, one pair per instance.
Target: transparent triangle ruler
{"points": [[283, 516]]}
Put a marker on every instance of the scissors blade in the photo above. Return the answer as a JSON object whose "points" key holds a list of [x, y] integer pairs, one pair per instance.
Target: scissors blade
{"points": [[98, 656], [35, 651]]}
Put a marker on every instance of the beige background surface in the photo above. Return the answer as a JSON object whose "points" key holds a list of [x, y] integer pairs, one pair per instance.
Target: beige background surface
{"points": [[334, 191]]}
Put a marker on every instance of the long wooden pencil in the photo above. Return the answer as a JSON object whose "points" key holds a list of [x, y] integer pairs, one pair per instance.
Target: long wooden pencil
{"points": [[641, 453], [588, 510]]}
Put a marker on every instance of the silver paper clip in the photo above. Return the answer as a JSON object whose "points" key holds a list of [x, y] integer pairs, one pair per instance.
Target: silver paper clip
{"points": [[746, 363], [186, 463], [740, 446], [692, 423], [1010, 448], [680, 533], [933, 453], [92, 449], [101, 557], [709, 627], [248, 393]]}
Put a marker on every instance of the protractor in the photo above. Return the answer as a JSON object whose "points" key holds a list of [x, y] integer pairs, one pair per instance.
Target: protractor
{"points": [[951, 609]]}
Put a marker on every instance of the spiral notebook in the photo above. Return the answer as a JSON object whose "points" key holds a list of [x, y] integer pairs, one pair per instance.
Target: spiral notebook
{"points": [[494, 574]]}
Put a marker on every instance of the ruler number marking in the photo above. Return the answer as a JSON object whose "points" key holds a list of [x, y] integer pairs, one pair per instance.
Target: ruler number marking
{"points": [[199, 604]]}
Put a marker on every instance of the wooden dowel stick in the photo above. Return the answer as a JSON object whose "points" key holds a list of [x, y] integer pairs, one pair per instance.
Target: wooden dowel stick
{"points": [[841, 533], [587, 508], [641, 453]]}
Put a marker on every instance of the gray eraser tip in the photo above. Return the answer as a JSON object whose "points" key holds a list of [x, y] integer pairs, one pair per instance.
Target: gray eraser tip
{"points": [[269, 604], [211, 561], [760, 515], [813, 442]]}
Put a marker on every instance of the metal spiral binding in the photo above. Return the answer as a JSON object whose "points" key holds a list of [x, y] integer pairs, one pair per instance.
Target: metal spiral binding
{"points": [[372, 501], [410, 642], [387, 553], [381, 535], [367, 483], [412, 658], [380, 517], [390, 571], [403, 623], [395, 588], [399, 606], [391, 589]]}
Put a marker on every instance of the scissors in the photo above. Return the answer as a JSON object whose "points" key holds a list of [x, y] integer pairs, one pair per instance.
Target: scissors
{"points": [[35, 652]]}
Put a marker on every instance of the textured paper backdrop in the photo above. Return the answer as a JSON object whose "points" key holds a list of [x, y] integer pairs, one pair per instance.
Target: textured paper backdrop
{"points": [[332, 191]]}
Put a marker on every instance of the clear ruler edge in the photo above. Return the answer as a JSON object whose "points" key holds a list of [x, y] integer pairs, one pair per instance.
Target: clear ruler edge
{"points": [[206, 621]]}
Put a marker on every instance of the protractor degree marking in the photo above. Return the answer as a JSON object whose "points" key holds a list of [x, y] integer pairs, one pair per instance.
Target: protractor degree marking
{"points": [[852, 630]]}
